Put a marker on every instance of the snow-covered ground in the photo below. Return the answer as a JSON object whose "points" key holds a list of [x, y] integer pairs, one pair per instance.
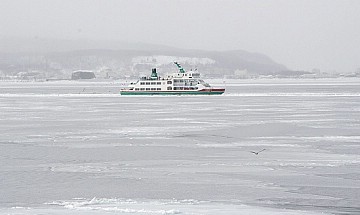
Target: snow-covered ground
{"points": [[81, 148]]}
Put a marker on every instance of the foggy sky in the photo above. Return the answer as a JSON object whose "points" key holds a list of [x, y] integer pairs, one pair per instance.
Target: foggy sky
{"points": [[301, 34]]}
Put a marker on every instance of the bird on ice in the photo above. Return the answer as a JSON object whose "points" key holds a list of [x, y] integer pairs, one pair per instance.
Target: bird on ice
{"points": [[256, 153]]}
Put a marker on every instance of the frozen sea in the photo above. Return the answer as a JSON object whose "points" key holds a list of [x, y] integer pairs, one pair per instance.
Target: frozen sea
{"points": [[81, 148]]}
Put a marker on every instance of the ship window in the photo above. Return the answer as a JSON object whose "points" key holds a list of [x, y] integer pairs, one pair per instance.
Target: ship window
{"points": [[147, 83], [169, 88], [153, 83], [147, 88], [153, 88], [142, 88], [142, 83], [158, 83], [136, 88], [158, 88], [169, 82]]}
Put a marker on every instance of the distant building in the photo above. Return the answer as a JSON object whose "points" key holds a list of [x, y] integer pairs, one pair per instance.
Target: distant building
{"points": [[105, 72], [241, 73], [31, 75], [81, 74]]}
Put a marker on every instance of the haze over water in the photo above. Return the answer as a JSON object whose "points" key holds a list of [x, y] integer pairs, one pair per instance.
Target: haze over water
{"points": [[300, 34], [81, 148]]}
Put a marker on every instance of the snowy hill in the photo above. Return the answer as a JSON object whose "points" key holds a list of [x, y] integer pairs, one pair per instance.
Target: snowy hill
{"points": [[60, 58]]}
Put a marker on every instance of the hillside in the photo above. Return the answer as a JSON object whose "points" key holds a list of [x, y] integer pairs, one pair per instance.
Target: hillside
{"points": [[53, 58]]}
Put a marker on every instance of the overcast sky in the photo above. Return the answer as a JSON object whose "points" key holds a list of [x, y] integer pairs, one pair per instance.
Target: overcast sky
{"points": [[301, 34]]}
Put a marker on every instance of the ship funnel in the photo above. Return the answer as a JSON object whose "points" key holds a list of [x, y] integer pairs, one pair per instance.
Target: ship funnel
{"points": [[153, 73]]}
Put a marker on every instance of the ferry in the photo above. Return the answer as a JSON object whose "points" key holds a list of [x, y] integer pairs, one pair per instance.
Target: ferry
{"points": [[180, 83]]}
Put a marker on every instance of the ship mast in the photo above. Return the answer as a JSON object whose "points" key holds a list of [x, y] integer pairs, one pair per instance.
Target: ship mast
{"points": [[180, 67]]}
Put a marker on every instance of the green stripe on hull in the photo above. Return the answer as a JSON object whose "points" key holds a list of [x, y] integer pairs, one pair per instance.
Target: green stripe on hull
{"points": [[173, 93]]}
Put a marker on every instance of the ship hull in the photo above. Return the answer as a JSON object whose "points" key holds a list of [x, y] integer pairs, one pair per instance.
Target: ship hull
{"points": [[199, 92]]}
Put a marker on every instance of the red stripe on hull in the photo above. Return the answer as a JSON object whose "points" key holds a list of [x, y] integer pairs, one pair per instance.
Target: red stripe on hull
{"points": [[213, 90]]}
